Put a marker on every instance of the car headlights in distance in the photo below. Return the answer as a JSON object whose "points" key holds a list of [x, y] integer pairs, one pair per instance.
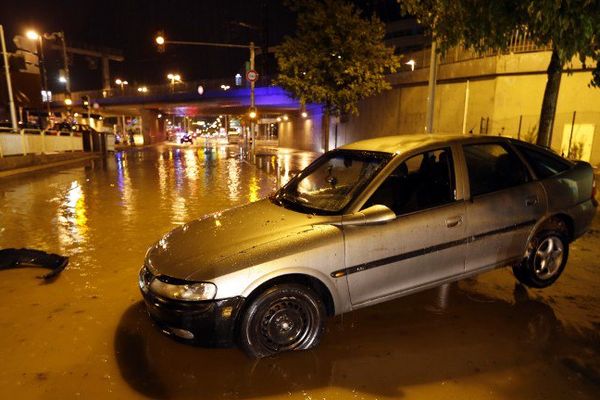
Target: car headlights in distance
{"points": [[184, 291]]}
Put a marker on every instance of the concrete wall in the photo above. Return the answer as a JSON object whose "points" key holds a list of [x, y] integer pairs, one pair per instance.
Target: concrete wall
{"points": [[303, 133], [28, 143], [504, 91], [153, 128]]}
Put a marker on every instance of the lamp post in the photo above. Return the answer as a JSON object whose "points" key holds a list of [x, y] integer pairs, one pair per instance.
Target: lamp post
{"points": [[33, 35], [121, 83], [11, 102], [174, 78]]}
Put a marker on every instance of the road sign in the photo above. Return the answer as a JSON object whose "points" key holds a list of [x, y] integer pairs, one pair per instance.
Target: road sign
{"points": [[252, 75]]}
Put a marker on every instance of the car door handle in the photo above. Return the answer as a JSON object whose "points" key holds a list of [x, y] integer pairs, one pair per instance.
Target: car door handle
{"points": [[452, 222], [531, 201]]}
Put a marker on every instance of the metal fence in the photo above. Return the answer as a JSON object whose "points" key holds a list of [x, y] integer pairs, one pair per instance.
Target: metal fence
{"points": [[132, 90], [574, 133], [520, 42]]}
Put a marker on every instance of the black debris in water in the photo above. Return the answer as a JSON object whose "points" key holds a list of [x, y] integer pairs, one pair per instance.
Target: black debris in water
{"points": [[16, 258]]}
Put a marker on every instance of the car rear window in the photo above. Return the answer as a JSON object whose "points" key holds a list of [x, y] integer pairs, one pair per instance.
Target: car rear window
{"points": [[493, 167], [543, 164]]}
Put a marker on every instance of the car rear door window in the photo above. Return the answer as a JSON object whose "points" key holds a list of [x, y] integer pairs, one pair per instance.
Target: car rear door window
{"points": [[421, 182], [493, 167], [544, 165]]}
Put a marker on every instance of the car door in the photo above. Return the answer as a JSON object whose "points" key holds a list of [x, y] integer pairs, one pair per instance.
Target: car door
{"points": [[423, 245], [505, 203]]}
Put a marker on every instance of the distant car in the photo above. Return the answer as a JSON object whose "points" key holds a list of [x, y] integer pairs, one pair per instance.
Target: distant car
{"points": [[366, 223], [186, 138]]}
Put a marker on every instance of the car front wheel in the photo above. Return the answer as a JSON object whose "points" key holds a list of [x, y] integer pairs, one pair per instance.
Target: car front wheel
{"points": [[547, 255], [282, 318]]}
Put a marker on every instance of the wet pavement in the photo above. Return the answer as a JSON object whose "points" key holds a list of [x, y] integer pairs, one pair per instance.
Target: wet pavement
{"points": [[86, 335]]}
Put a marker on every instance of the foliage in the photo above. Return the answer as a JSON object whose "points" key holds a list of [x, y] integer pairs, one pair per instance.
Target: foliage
{"points": [[571, 26], [336, 57]]}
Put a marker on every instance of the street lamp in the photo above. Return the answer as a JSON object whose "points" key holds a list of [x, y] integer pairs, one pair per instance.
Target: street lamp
{"points": [[142, 89], [64, 76], [174, 78], [121, 83], [34, 36]]}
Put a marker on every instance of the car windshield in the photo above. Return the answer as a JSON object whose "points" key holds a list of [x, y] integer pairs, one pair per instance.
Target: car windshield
{"points": [[330, 183]]}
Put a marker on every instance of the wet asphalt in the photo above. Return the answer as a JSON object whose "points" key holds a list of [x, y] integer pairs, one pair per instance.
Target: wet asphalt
{"points": [[86, 334]]}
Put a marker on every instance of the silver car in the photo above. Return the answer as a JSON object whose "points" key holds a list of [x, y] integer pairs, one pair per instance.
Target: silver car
{"points": [[366, 223]]}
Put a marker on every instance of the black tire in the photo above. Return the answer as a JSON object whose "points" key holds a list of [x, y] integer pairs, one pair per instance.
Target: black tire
{"points": [[546, 257], [284, 317]]}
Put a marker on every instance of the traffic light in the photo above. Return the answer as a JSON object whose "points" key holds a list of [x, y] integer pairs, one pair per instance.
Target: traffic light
{"points": [[160, 41], [85, 101], [252, 113]]}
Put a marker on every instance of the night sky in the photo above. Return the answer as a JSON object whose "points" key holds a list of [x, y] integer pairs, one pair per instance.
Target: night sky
{"points": [[131, 26]]}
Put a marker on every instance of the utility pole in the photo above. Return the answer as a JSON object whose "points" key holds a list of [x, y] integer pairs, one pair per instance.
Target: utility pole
{"points": [[11, 102]]}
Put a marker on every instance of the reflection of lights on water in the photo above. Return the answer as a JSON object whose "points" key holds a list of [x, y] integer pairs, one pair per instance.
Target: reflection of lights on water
{"points": [[72, 218], [254, 188], [162, 177], [179, 210], [124, 185], [191, 165], [233, 179]]}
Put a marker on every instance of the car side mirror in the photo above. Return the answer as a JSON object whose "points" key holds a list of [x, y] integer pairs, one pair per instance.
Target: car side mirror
{"points": [[376, 214]]}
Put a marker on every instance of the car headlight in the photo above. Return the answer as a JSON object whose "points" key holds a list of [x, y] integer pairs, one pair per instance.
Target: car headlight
{"points": [[184, 291]]}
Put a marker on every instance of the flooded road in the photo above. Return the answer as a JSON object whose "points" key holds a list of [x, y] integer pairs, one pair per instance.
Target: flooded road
{"points": [[86, 335]]}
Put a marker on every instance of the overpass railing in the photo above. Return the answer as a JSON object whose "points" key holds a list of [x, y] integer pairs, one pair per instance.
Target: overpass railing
{"points": [[132, 90]]}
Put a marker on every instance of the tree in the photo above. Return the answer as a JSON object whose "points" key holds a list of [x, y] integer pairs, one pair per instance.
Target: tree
{"points": [[571, 27], [336, 58]]}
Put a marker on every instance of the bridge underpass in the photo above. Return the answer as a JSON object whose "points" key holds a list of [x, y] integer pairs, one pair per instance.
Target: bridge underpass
{"points": [[153, 105]]}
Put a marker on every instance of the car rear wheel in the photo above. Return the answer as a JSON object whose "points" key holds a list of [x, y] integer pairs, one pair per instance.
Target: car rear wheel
{"points": [[547, 255], [282, 318]]}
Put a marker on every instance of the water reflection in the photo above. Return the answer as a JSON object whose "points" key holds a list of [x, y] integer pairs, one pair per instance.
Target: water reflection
{"points": [[366, 353], [72, 220]]}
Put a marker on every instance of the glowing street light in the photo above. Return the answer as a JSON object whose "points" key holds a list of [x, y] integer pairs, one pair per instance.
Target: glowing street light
{"points": [[32, 35], [121, 83], [412, 64], [160, 40], [278, 119], [285, 117], [174, 78], [142, 89], [304, 114], [68, 102]]}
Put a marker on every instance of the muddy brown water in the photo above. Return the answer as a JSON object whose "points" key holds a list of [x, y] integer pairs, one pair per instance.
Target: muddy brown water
{"points": [[86, 335]]}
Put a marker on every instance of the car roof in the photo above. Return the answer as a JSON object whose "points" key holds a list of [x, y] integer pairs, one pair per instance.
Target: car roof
{"points": [[404, 143]]}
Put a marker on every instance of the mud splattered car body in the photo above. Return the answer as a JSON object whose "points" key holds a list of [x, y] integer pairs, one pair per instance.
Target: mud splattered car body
{"points": [[366, 223]]}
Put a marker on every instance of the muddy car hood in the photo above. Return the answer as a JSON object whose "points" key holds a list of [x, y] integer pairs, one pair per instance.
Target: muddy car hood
{"points": [[199, 249]]}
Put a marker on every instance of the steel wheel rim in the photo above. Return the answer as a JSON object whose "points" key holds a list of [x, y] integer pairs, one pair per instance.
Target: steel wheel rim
{"points": [[548, 257], [285, 324]]}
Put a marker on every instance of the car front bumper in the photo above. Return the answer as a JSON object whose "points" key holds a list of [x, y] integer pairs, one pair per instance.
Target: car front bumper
{"points": [[206, 323]]}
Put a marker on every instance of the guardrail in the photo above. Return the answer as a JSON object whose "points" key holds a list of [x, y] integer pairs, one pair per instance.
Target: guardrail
{"points": [[37, 141], [161, 89]]}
